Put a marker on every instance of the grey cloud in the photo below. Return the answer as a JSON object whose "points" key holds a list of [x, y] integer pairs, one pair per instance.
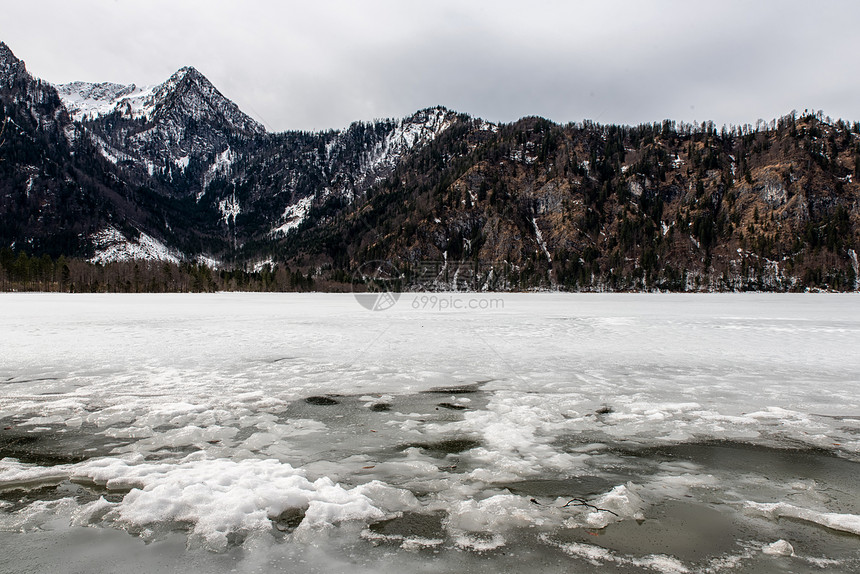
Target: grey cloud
{"points": [[297, 66]]}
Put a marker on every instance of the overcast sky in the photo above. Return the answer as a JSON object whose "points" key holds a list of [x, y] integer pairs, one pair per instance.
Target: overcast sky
{"points": [[320, 65]]}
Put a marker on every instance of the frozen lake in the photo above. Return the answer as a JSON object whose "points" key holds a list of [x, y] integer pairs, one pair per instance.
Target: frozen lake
{"points": [[538, 432]]}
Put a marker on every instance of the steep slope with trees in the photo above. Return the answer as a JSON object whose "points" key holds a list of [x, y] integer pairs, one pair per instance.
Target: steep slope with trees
{"points": [[772, 207], [178, 174]]}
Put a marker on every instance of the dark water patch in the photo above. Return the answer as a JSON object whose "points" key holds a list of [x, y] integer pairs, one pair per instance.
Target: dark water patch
{"points": [[171, 452], [452, 406], [690, 532], [12, 381], [561, 488], [19, 499], [110, 551], [412, 524], [360, 424], [37, 448], [831, 473], [23, 495], [42, 458], [744, 456], [455, 390], [446, 447], [321, 401], [725, 452], [352, 413]]}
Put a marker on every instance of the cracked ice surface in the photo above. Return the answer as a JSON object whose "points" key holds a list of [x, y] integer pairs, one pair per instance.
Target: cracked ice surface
{"points": [[278, 424]]}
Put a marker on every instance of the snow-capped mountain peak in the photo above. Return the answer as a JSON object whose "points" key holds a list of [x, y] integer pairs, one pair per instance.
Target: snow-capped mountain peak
{"points": [[85, 99], [187, 93], [185, 120]]}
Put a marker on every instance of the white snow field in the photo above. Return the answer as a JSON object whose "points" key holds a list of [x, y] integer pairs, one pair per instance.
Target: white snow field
{"points": [[504, 433]]}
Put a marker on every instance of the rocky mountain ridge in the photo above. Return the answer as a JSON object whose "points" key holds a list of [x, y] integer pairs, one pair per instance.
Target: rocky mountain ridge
{"points": [[161, 128], [178, 173]]}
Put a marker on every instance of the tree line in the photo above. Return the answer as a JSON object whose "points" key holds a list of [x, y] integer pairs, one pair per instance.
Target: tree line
{"points": [[21, 272]]}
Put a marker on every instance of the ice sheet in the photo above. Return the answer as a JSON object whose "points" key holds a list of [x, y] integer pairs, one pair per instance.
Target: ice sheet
{"points": [[238, 416]]}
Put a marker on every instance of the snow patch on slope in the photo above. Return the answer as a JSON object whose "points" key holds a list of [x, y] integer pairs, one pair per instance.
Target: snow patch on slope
{"points": [[210, 262], [484, 125], [229, 209], [416, 131], [856, 266], [111, 245], [100, 99], [111, 153], [421, 128], [219, 168], [293, 216], [541, 242], [261, 265]]}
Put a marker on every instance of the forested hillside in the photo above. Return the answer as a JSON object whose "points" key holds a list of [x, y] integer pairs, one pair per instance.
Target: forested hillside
{"points": [[172, 187]]}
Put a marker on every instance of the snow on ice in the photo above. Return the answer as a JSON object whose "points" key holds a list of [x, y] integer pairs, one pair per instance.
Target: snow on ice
{"points": [[576, 428]]}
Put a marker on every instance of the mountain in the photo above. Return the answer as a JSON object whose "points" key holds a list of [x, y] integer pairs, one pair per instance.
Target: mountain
{"points": [[49, 201], [160, 128], [285, 175], [183, 139], [657, 206], [177, 173]]}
